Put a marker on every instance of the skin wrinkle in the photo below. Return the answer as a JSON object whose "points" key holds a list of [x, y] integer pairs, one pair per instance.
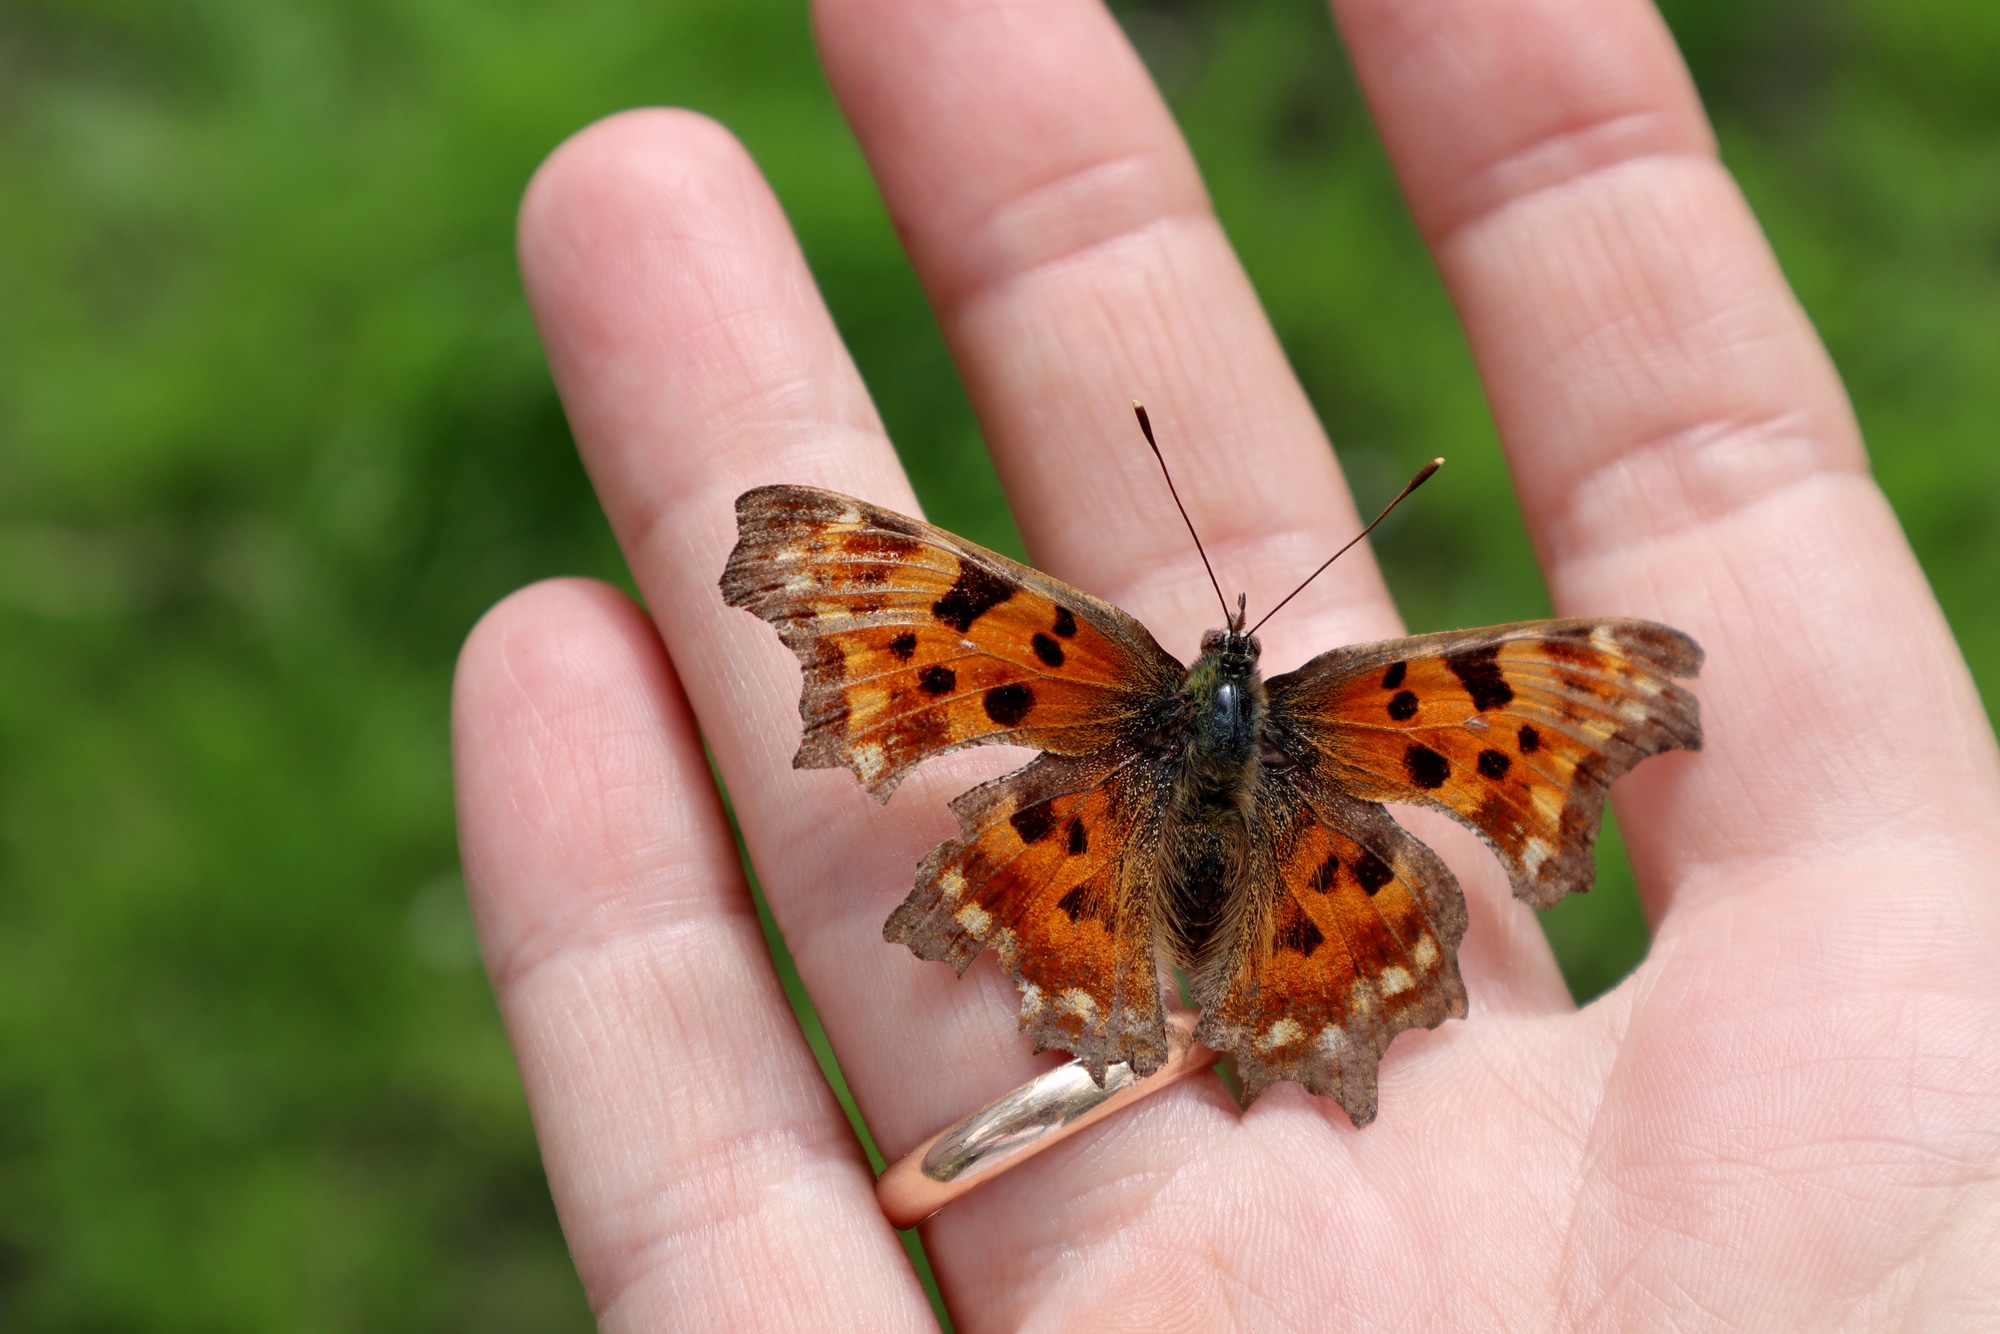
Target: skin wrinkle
{"points": [[1565, 159], [1061, 223], [1617, 501]]}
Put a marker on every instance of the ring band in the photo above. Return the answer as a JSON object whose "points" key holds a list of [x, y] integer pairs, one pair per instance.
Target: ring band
{"points": [[1006, 1133]]}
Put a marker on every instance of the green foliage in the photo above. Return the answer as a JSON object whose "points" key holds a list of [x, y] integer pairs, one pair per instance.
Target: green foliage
{"points": [[274, 430]]}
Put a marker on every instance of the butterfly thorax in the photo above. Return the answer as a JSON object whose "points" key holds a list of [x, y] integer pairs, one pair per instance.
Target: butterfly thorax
{"points": [[1224, 701], [1207, 824]]}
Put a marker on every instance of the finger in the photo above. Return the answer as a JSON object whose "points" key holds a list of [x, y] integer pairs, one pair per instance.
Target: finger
{"points": [[1058, 223], [695, 360], [1681, 445], [704, 1173]]}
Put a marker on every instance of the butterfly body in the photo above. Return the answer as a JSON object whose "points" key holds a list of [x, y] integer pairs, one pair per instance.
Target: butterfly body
{"points": [[1216, 758], [1198, 816]]}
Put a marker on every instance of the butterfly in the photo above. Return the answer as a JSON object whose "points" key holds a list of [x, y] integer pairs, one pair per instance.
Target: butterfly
{"points": [[1199, 817]]}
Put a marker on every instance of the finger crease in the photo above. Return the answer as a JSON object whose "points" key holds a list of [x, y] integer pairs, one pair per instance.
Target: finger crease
{"points": [[1067, 219], [1563, 158], [1690, 478]]}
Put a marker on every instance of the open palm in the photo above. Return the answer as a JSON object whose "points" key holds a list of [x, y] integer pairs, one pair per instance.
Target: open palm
{"points": [[1789, 1115]]}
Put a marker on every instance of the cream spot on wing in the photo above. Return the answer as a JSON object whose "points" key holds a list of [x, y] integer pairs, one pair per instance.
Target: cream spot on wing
{"points": [[1334, 1042], [1534, 854], [864, 702], [1548, 802], [973, 918], [1604, 639], [1281, 1034], [1031, 1000], [800, 582], [1395, 981], [1361, 1002], [1425, 954], [848, 515], [1079, 1003], [951, 884], [869, 760]]}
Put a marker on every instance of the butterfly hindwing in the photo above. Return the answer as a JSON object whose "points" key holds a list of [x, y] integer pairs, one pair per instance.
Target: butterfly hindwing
{"points": [[1053, 870], [1345, 933], [1516, 730], [915, 641]]}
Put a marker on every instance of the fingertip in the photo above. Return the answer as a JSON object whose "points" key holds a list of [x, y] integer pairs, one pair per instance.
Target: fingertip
{"points": [[620, 160]]}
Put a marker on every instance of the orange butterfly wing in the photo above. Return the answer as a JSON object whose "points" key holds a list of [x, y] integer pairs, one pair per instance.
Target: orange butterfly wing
{"points": [[1347, 933], [915, 641], [1054, 868], [1515, 730]]}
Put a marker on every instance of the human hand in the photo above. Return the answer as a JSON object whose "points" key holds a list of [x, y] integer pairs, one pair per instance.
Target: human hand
{"points": [[1789, 1115]]}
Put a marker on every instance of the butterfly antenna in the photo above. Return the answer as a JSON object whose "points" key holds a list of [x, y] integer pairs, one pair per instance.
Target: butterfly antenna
{"points": [[1146, 425], [1423, 475]]}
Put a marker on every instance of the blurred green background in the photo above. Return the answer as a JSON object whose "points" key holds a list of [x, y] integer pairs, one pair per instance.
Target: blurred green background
{"points": [[274, 430]]}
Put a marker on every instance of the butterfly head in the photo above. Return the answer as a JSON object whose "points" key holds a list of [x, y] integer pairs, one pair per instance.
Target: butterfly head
{"points": [[1232, 653]]}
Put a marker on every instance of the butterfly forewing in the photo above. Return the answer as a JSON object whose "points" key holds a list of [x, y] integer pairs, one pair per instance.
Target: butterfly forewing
{"points": [[1053, 869], [915, 641], [1517, 730]]}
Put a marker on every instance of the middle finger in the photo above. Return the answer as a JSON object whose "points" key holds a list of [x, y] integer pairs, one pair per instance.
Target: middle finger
{"points": [[1058, 223]]}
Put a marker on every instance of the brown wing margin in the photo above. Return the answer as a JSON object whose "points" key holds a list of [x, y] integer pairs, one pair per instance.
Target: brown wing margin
{"points": [[1053, 869], [1345, 933], [1516, 730], [914, 641]]}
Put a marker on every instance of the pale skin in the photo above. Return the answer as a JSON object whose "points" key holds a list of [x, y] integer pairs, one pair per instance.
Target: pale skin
{"points": [[1789, 1116]]}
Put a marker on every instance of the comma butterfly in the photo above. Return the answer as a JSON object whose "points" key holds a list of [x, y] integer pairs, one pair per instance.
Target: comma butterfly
{"points": [[1201, 817]]}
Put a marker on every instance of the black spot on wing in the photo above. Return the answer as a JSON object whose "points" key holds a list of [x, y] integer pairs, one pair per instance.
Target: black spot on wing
{"points": [[976, 592], [1530, 739], [1479, 671], [937, 680], [1079, 839], [1007, 705], [1298, 934], [1394, 676], [1050, 652], [1322, 880], [1404, 706], [1494, 764], [1427, 769], [1033, 823], [1082, 902], [1065, 623], [1372, 872], [904, 646]]}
